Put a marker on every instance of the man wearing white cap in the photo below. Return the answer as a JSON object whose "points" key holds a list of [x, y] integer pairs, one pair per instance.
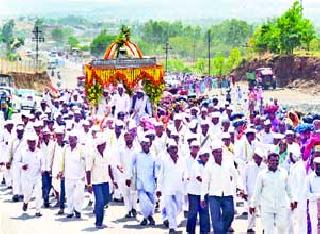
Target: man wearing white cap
{"points": [[58, 180], [172, 173], [126, 174], [244, 149], [99, 175], [273, 194], [179, 125], [30, 162], [140, 105], [5, 139], [160, 138], [15, 146], [298, 185], [215, 127], [217, 182], [195, 176], [313, 185], [266, 136], [116, 141], [47, 151], [251, 171], [73, 168], [205, 137], [144, 164], [121, 101]]}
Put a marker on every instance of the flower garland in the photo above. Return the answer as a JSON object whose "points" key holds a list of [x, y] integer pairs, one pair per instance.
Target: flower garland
{"points": [[153, 88], [94, 91], [94, 94]]}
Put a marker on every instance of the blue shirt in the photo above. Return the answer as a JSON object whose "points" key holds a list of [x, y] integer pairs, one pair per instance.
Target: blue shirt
{"points": [[145, 167]]}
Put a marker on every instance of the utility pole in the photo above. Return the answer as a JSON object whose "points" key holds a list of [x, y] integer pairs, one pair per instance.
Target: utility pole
{"points": [[37, 39], [209, 51], [167, 47]]}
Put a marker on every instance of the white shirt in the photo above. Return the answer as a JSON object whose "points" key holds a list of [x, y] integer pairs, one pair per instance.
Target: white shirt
{"points": [[121, 103], [266, 138], [243, 150], [194, 185], [47, 155], [172, 176], [58, 156], [218, 179], [272, 188], [125, 161], [298, 182], [15, 146], [99, 166], [251, 172], [74, 163], [313, 184], [33, 160], [5, 139]]}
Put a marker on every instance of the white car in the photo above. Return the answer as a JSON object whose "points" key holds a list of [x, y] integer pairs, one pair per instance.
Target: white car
{"points": [[27, 99]]}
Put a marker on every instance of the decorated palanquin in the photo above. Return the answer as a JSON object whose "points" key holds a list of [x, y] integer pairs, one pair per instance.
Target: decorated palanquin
{"points": [[123, 63]]}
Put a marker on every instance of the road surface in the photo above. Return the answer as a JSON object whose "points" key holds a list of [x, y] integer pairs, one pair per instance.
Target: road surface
{"points": [[14, 221]]}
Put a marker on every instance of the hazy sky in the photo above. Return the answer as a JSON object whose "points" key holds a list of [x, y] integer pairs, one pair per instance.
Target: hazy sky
{"points": [[246, 9]]}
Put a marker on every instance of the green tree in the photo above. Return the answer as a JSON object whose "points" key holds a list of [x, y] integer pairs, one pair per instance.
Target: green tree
{"points": [[232, 32], [100, 43], [219, 65], [286, 33], [10, 41], [233, 60], [289, 26], [40, 24], [308, 32], [72, 42], [177, 65], [182, 46], [61, 34], [201, 66], [267, 38], [7, 34]]}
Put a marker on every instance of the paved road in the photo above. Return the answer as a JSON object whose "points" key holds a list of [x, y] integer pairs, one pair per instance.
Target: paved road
{"points": [[14, 221]]}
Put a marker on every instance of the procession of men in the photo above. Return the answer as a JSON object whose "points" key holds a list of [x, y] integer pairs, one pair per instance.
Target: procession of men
{"points": [[191, 158]]}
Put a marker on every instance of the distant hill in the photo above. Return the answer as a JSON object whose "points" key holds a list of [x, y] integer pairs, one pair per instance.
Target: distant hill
{"points": [[189, 10]]}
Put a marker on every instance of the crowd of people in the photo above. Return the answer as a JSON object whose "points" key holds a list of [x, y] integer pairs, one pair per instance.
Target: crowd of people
{"points": [[192, 155]]}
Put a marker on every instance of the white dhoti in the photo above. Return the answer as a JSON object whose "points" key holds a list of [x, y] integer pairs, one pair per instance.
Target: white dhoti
{"points": [[275, 222], [298, 219], [147, 203], [251, 217], [16, 179], [173, 204], [129, 196], [32, 186], [8, 177], [313, 211], [75, 194]]}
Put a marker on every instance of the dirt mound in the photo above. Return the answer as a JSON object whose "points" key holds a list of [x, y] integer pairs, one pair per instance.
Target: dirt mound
{"points": [[37, 81], [289, 70]]}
